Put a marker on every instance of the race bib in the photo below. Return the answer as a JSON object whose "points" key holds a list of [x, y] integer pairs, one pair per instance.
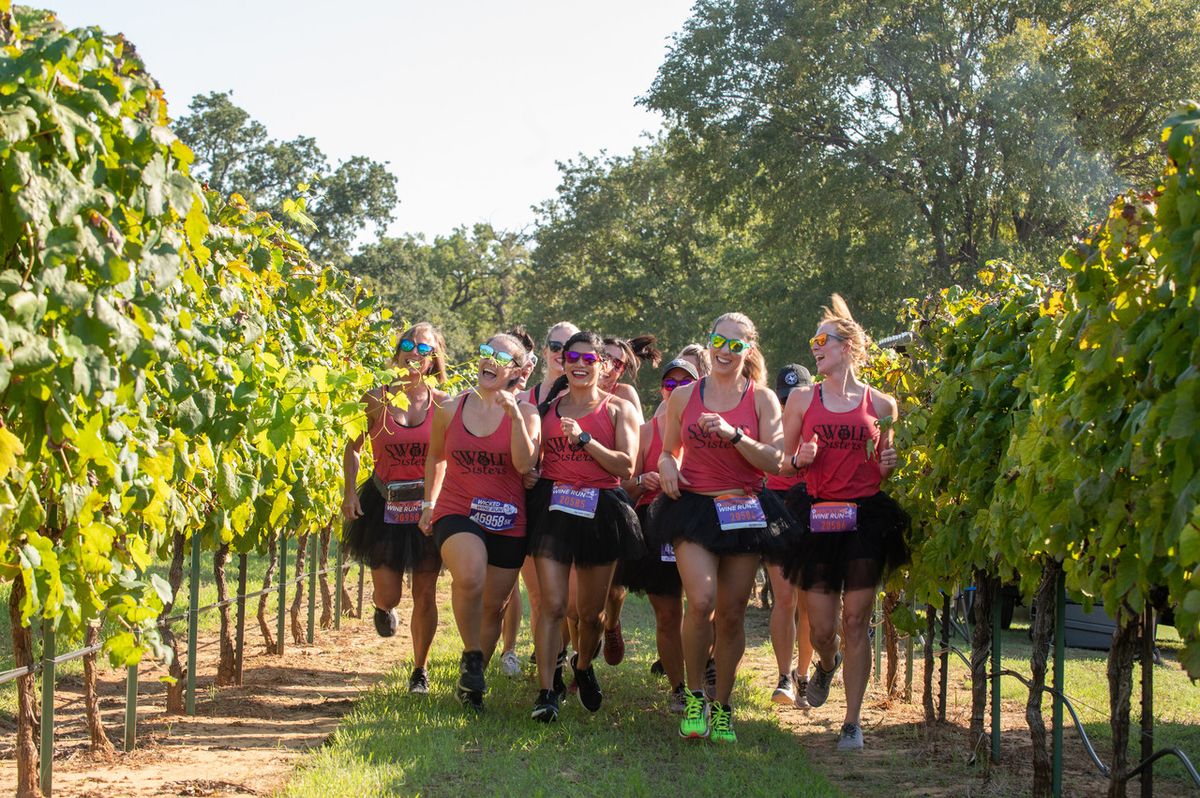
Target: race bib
{"points": [[403, 502], [668, 553], [833, 517], [576, 501], [740, 512], [492, 515]]}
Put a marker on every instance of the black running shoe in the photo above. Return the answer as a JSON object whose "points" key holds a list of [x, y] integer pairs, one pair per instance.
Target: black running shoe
{"points": [[657, 668], [470, 673], [386, 622], [545, 707], [589, 689]]}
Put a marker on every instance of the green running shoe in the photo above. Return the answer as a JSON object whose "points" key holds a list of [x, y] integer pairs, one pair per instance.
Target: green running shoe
{"points": [[722, 724], [695, 716]]}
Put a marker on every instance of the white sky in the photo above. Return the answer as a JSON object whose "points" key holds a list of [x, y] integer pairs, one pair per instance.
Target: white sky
{"points": [[469, 102]]}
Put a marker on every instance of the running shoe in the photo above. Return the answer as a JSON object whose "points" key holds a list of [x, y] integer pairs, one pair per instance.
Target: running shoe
{"points": [[657, 669], [695, 715], [509, 664], [614, 645], [545, 707], [589, 689], [784, 692], [678, 701], [851, 738], [710, 680], [818, 684], [560, 687], [722, 724], [386, 622], [418, 682], [801, 689], [471, 684]]}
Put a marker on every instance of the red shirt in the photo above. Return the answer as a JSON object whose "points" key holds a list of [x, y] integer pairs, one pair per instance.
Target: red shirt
{"points": [[562, 462], [712, 464], [842, 469], [399, 451], [776, 482], [480, 476], [650, 461]]}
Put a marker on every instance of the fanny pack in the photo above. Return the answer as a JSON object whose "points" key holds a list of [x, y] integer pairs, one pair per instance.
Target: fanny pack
{"points": [[402, 500]]}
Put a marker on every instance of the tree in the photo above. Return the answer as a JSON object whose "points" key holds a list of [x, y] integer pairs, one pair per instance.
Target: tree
{"points": [[234, 153], [997, 127]]}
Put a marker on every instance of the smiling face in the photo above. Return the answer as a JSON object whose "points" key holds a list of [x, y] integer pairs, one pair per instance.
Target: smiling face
{"points": [[725, 362], [416, 364], [614, 367], [834, 354], [493, 375], [556, 337], [676, 375], [581, 373]]}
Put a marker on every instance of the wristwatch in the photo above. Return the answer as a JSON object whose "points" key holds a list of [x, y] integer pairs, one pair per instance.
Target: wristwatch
{"points": [[584, 439]]}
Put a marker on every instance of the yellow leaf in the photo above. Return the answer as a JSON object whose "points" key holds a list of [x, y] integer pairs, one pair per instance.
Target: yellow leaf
{"points": [[10, 449], [239, 267]]}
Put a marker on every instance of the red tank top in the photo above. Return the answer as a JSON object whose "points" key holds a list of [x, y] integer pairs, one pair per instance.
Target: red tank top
{"points": [[399, 451], [842, 470], [776, 482], [711, 463], [562, 462], [650, 461], [480, 477]]}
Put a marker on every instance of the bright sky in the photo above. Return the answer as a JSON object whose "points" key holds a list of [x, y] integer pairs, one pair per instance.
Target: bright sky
{"points": [[470, 102]]}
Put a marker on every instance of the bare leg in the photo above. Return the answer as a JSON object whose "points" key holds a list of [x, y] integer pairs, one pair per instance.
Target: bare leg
{"points": [[573, 609], [783, 619], [804, 649], [856, 621], [553, 577], [612, 607], [389, 587], [592, 583], [698, 571], [466, 558], [512, 618], [735, 581], [668, 633], [424, 616], [497, 592], [823, 609]]}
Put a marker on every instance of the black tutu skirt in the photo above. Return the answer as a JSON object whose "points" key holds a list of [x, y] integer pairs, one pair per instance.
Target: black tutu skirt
{"points": [[693, 518], [613, 534], [400, 547], [651, 574], [830, 562]]}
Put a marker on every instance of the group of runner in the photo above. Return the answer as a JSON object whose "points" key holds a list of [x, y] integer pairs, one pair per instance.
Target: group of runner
{"points": [[565, 485]]}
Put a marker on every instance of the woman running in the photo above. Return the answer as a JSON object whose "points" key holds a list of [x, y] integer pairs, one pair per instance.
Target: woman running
{"points": [[789, 619], [656, 574], [487, 440], [381, 530], [577, 515], [726, 429], [853, 531]]}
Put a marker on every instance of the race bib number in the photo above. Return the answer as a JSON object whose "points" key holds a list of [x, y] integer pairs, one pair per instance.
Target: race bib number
{"points": [[740, 512], [668, 553], [403, 502], [492, 515], [576, 501], [833, 517]]}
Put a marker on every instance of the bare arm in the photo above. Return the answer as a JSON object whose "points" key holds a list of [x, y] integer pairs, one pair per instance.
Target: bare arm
{"points": [[668, 461], [885, 405], [634, 485], [798, 402], [435, 463], [526, 436]]}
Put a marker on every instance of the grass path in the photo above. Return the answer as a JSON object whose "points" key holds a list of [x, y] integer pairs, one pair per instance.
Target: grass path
{"points": [[399, 744]]}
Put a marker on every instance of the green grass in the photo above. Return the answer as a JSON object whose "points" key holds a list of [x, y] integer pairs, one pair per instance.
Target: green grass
{"points": [[397, 744]]}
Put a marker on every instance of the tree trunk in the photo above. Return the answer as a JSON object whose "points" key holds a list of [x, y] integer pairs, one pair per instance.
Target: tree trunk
{"points": [[986, 592], [927, 695], [264, 627], [91, 699], [28, 781], [1043, 628], [1120, 685], [227, 666], [891, 600], [326, 592], [298, 636], [175, 705]]}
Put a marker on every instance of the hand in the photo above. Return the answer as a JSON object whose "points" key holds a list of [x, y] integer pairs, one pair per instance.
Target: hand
{"points": [[669, 479], [571, 429], [887, 461], [808, 452], [507, 401], [351, 506], [426, 522], [651, 481], [714, 424], [531, 478]]}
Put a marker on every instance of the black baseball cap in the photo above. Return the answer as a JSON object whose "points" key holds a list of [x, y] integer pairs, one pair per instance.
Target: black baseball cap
{"points": [[791, 376], [680, 363]]}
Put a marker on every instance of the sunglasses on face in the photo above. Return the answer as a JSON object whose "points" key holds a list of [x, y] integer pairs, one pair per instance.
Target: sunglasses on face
{"points": [[736, 345], [822, 338], [616, 365], [487, 350], [555, 346], [409, 345], [589, 358], [670, 384]]}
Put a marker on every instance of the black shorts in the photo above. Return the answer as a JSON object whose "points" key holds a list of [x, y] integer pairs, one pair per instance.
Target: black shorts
{"points": [[400, 547], [503, 551]]}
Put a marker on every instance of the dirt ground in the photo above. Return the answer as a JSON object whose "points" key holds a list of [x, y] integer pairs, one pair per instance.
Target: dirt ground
{"points": [[247, 740]]}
